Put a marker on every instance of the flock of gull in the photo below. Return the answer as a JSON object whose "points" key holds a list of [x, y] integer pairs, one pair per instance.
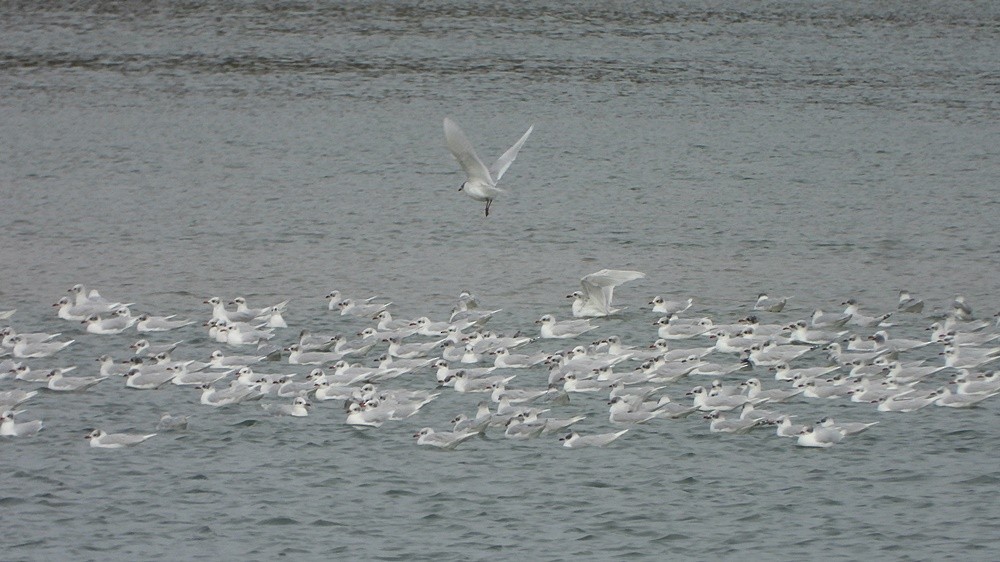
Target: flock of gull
{"points": [[389, 369]]}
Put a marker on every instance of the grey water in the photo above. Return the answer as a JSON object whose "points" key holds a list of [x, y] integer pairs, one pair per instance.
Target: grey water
{"points": [[164, 153]]}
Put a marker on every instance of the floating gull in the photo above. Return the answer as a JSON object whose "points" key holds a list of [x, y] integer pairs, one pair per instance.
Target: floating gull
{"points": [[210, 396], [785, 428], [150, 323], [139, 380], [299, 408], [170, 422], [10, 428], [819, 437], [858, 319], [57, 382], [945, 397], [363, 309], [768, 304], [518, 429], [25, 350], [219, 312], [984, 384], [98, 438], [721, 424], [960, 310], [79, 312], [574, 440], [443, 439], [553, 329], [847, 428], [9, 334], [909, 304], [671, 328], [120, 320], [822, 320], [668, 307]]}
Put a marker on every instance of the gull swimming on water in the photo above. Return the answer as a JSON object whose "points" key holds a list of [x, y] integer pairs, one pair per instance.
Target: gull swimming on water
{"points": [[664, 306], [506, 359], [117, 323], [150, 323], [707, 402], [598, 289], [982, 384], [788, 429], [78, 312], [847, 428], [481, 183], [25, 350], [298, 356], [820, 319], [443, 439], [136, 379], [143, 346], [670, 328], [210, 396], [909, 304], [768, 304], [299, 408], [56, 381], [863, 320], [219, 312], [905, 402], [819, 437], [960, 310], [364, 415], [517, 428], [465, 383], [755, 390], [10, 428], [574, 384], [83, 297], [27, 374], [363, 309], [98, 438], [565, 329], [478, 424], [946, 398], [620, 411], [8, 334], [720, 424], [220, 361], [574, 440], [242, 308], [170, 422]]}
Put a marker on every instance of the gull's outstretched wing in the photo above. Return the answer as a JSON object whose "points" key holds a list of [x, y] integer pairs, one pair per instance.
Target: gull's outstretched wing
{"points": [[500, 166], [599, 286], [462, 149]]}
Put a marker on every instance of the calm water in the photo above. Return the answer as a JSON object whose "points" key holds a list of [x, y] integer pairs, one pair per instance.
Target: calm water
{"points": [[820, 150]]}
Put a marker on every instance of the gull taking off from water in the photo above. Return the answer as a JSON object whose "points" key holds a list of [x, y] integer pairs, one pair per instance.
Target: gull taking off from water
{"points": [[481, 183], [598, 289]]}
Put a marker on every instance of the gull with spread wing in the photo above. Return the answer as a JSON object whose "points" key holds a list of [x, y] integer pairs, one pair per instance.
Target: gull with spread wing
{"points": [[598, 289], [481, 184]]}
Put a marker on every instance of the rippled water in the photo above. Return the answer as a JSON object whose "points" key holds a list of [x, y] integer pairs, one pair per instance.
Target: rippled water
{"points": [[165, 153]]}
